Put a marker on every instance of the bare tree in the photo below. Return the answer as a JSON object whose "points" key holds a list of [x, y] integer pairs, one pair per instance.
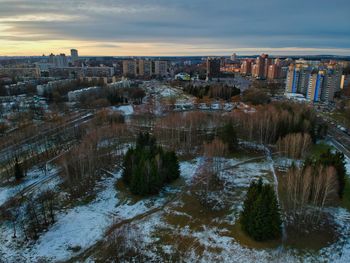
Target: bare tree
{"points": [[295, 145], [308, 190]]}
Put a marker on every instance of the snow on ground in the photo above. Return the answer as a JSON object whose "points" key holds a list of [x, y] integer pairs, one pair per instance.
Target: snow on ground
{"points": [[347, 165], [126, 109], [189, 169], [83, 226], [167, 92], [34, 176], [226, 248], [243, 174], [285, 163]]}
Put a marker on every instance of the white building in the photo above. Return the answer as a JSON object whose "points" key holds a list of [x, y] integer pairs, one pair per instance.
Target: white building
{"points": [[76, 94]]}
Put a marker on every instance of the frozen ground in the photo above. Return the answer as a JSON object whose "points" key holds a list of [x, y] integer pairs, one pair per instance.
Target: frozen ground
{"points": [[218, 246], [125, 110], [82, 226], [34, 177]]}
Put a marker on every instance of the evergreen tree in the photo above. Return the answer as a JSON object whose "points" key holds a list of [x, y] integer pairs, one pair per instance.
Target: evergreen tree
{"points": [[228, 135], [18, 171], [261, 217], [171, 168], [147, 167]]}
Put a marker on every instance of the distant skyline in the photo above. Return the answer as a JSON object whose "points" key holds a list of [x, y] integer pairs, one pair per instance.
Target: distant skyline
{"points": [[174, 28]]}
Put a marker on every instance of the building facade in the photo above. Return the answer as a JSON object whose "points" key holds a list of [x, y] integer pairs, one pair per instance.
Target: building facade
{"points": [[213, 67], [74, 55]]}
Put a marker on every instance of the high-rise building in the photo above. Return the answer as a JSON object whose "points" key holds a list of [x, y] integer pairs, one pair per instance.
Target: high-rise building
{"points": [[246, 67], [145, 67], [267, 63], [129, 68], [332, 84], [315, 86], [297, 79], [74, 55], [322, 85], [161, 68], [234, 57], [60, 61], [258, 70], [51, 58], [292, 79], [273, 72], [213, 67], [305, 73]]}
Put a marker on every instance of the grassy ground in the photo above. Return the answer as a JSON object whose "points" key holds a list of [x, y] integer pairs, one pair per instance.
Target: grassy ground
{"points": [[319, 148], [247, 241]]}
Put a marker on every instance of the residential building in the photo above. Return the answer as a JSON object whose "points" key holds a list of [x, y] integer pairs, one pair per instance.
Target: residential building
{"points": [[332, 84], [130, 68], [213, 67], [258, 69], [161, 68], [60, 61], [272, 72], [145, 67], [74, 55], [297, 79], [315, 86], [246, 67], [20, 72], [234, 57]]}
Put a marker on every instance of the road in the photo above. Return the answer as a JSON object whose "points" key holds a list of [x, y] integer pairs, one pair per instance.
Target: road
{"points": [[339, 138]]}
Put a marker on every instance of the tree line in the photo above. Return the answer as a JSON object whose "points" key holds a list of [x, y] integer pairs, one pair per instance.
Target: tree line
{"points": [[217, 91]]}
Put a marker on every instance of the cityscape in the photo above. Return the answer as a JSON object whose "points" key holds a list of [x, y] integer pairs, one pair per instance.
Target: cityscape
{"points": [[156, 131]]}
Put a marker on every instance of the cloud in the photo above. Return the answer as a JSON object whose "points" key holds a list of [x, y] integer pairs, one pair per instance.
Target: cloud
{"points": [[219, 24]]}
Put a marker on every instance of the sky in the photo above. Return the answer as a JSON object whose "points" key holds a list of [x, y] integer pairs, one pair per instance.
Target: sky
{"points": [[174, 27]]}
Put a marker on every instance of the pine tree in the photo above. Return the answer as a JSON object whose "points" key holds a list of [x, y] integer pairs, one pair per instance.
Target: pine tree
{"points": [[228, 135], [171, 167], [147, 167], [261, 217]]}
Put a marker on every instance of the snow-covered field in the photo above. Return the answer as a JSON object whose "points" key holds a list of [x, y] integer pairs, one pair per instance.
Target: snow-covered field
{"points": [[33, 178], [227, 248], [80, 227]]}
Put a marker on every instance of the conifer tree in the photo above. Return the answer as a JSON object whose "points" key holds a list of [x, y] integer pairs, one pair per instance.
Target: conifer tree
{"points": [[147, 167], [261, 217], [228, 135]]}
